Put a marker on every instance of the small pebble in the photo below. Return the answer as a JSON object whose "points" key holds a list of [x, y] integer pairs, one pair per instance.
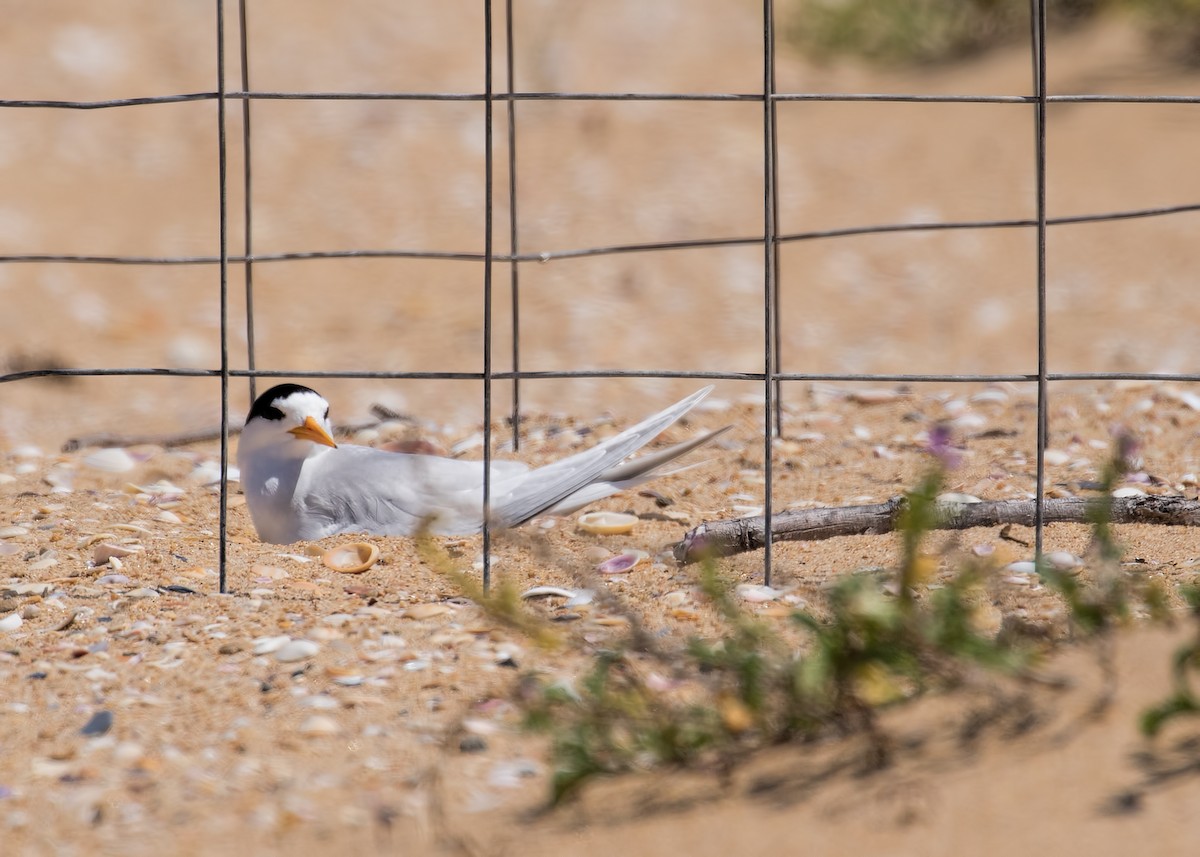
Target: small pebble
{"points": [[99, 724], [472, 744]]}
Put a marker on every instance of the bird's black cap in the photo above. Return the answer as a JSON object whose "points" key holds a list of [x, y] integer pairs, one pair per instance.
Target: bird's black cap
{"points": [[263, 407]]}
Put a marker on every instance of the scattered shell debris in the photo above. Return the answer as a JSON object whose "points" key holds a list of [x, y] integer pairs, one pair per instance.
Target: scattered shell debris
{"points": [[311, 677]]}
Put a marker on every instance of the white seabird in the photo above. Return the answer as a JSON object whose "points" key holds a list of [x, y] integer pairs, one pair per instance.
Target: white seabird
{"points": [[301, 485]]}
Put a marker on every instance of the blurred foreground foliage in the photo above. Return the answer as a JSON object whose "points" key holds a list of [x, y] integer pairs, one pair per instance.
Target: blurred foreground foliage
{"points": [[879, 637], [930, 31]]}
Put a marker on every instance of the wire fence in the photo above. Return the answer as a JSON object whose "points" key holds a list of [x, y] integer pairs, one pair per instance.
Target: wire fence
{"points": [[772, 375]]}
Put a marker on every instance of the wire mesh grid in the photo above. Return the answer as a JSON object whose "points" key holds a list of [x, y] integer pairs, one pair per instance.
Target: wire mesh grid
{"points": [[772, 376]]}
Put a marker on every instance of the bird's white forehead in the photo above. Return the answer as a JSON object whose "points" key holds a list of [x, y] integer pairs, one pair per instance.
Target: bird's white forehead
{"points": [[302, 404]]}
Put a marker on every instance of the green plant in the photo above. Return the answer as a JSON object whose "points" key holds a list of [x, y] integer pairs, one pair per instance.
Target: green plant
{"points": [[755, 685], [919, 31], [1186, 661]]}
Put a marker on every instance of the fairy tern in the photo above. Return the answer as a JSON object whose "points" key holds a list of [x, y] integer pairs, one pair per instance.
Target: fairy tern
{"points": [[301, 485]]}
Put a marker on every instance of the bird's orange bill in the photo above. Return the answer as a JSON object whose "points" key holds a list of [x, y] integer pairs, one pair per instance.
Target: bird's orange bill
{"points": [[312, 430]]}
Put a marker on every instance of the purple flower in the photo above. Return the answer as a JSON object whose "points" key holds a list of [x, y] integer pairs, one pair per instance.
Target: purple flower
{"points": [[1126, 448], [939, 445]]}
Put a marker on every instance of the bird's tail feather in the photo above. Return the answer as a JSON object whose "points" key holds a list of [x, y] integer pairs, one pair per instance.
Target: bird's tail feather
{"points": [[538, 490]]}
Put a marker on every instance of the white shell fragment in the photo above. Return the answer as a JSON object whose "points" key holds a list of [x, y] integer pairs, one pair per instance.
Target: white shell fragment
{"points": [[607, 523], [296, 650], [547, 592], [319, 724], [757, 594], [956, 498], [266, 645], [1023, 567], [11, 622], [1064, 561], [352, 558], [104, 551], [110, 460]]}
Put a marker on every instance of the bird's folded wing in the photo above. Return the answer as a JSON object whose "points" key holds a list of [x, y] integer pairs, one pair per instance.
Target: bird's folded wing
{"points": [[516, 500]]}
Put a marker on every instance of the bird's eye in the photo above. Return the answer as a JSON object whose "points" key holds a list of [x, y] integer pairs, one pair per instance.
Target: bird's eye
{"points": [[327, 413]]}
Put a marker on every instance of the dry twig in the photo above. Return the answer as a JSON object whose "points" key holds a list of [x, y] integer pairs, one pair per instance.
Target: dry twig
{"points": [[728, 537]]}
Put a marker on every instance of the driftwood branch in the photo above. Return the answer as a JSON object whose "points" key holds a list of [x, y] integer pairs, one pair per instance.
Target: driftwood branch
{"points": [[725, 538]]}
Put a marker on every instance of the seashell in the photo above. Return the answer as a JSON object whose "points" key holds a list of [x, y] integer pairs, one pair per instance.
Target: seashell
{"points": [[110, 579], [546, 591], [296, 650], [48, 560], [351, 558], [1186, 397], [758, 594], [270, 572], [1064, 561], [11, 622], [28, 588], [1055, 457], [1129, 491], [957, 498], [266, 645], [875, 397], [88, 541], [133, 528], [318, 724], [110, 460], [425, 611], [969, 422], [104, 551], [61, 479], [1023, 567], [992, 396], [622, 562], [607, 523], [5, 478]]}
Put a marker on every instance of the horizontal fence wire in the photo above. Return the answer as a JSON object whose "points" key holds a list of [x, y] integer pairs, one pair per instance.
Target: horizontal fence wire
{"points": [[900, 98], [771, 240], [607, 250], [609, 374]]}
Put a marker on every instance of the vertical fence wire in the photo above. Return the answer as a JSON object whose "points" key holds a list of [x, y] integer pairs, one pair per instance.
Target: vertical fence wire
{"points": [[488, 171], [223, 241], [1038, 44], [247, 234], [514, 247], [770, 275]]}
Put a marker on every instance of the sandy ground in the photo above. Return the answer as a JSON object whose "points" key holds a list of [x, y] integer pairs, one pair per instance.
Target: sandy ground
{"points": [[215, 741]]}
